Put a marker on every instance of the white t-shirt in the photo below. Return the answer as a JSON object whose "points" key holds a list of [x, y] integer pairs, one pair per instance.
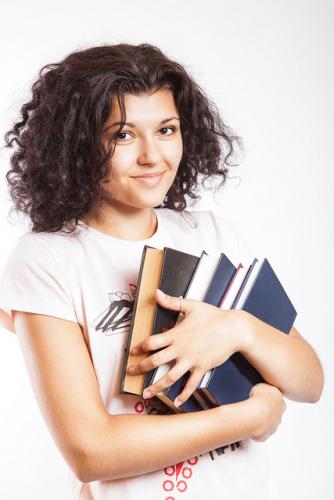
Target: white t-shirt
{"points": [[91, 279]]}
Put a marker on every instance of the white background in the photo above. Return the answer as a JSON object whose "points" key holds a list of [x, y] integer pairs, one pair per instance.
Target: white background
{"points": [[269, 67]]}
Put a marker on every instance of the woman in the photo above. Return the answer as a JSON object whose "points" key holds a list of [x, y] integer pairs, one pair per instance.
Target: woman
{"points": [[112, 142]]}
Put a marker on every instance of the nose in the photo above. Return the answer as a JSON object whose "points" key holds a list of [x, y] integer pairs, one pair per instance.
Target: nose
{"points": [[149, 152]]}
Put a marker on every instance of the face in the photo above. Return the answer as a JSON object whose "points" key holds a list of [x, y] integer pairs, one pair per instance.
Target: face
{"points": [[149, 144]]}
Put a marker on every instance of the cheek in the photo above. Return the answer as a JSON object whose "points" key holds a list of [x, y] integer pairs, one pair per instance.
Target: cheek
{"points": [[120, 165], [174, 154], [123, 158], [179, 150]]}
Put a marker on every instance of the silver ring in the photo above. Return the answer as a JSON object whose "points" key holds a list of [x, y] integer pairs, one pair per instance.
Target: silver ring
{"points": [[180, 310]]}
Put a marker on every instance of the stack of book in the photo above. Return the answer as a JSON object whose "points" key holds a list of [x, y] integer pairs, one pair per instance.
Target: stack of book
{"points": [[250, 286]]}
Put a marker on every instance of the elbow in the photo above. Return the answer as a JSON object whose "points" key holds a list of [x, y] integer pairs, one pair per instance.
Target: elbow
{"points": [[84, 472], [79, 464], [84, 478], [308, 391], [92, 466], [318, 388], [99, 459], [88, 456], [84, 475], [89, 471], [83, 465], [314, 398]]}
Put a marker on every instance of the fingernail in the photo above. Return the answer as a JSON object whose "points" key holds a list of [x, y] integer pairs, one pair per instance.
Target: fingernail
{"points": [[131, 369], [177, 402], [146, 394], [161, 293], [134, 350]]}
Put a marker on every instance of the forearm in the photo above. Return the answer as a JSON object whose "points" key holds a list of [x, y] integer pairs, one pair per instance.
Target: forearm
{"points": [[129, 445], [285, 361]]}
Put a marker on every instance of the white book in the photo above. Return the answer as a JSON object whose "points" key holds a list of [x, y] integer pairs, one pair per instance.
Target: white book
{"points": [[248, 286], [233, 291], [227, 303]]}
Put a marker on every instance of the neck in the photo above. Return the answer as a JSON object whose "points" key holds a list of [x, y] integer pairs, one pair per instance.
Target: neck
{"points": [[135, 224]]}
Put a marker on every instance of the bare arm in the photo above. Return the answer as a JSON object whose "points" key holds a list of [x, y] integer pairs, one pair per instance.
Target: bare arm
{"points": [[285, 361], [97, 445], [166, 439]]}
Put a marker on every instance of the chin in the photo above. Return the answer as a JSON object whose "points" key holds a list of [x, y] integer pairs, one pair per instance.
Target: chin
{"points": [[151, 202], [151, 205]]}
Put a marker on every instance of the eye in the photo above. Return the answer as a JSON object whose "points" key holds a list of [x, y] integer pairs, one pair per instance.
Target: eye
{"points": [[168, 128], [119, 136]]}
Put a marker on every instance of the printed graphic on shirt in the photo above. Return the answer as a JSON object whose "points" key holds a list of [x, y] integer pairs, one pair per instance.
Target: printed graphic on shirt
{"points": [[177, 478], [116, 318], [141, 406]]}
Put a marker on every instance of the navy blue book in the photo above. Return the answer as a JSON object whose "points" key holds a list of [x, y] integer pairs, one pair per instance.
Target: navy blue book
{"points": [[268, 301], [264, 297], [220, 281]]}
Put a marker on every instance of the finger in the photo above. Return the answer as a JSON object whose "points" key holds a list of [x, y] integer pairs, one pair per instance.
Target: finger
{"points": [[157, 341], [152, 343], [190, 386], [169, 379], [157, 359], [172, 302]]}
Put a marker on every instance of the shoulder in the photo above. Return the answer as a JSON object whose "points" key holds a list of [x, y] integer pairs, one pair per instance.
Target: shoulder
{"points": [[36, 239], [32, 250], [215, 231], [199, 220], [28, 245], [206, 221]]}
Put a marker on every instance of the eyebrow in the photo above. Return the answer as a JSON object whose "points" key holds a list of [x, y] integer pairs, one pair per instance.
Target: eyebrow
{"points": [[129, 124]]}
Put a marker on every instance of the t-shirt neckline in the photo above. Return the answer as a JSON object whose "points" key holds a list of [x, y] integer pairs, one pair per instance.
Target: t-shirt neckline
{"points": [[118, 241]]}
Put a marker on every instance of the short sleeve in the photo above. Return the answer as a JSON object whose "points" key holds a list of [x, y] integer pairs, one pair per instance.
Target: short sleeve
{"points": [[33, 281]]}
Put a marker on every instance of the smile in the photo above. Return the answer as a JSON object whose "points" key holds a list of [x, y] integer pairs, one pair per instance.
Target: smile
{"points": [[149, 181]]}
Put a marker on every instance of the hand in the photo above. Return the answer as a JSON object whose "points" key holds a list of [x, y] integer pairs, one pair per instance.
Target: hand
{"points": [[204, 338], [270, 408]]}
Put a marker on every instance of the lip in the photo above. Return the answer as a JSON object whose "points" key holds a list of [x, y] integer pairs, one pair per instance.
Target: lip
{"points": [[147, 175], [149, 179]]}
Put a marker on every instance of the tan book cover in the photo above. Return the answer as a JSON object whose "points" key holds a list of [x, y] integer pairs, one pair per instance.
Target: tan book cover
{"points": [[142, 316]]}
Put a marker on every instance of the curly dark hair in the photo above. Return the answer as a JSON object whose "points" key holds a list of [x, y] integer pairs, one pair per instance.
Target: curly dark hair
{"points": [[59, 163]]}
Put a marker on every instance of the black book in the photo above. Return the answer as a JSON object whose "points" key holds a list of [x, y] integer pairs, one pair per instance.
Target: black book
{"points": [[176, 274]]}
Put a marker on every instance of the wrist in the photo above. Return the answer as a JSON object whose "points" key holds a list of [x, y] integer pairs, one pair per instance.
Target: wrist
{"points": [[260, 408], [244, 417], [257, 412], [246, 331]]}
